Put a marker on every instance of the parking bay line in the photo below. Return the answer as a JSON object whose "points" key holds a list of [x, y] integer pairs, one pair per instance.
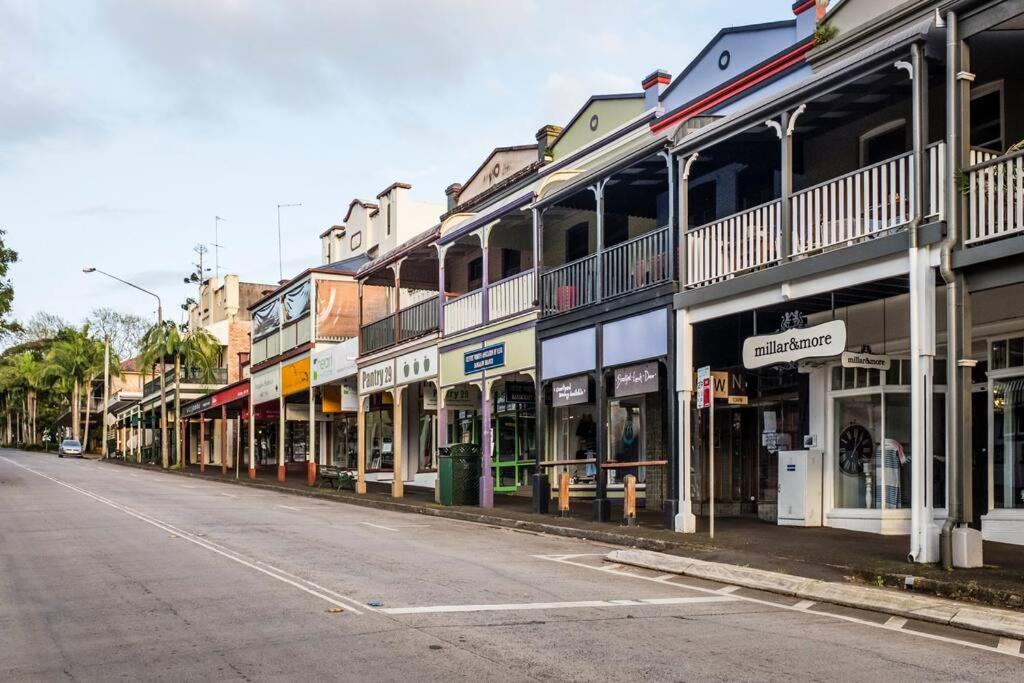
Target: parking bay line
{"points": [[1002, 648], [577, 604]]}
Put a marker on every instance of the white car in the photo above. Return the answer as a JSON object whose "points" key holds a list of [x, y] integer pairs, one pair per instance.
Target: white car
{"points": [[69, 447]]}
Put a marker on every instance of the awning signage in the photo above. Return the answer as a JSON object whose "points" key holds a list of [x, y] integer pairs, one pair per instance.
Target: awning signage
{"points": [[636, 379], [570, 391], [335, 362], [479, 360], [266, 385], [820, 341], [871, 361], [295, 377], [216, 400], [417, 365], [377, 377]]}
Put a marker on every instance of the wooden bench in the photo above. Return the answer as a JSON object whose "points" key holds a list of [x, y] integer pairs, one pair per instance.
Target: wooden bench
{"points": [[331, 475]]}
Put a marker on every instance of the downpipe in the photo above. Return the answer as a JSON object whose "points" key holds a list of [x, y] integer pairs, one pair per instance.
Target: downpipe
{"points": [[952, 293]]}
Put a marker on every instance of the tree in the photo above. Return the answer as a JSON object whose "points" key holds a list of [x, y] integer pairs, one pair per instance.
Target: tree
{"points": [[41, 327], [125, 330], [71, 360], [7, 257], [22, 378], [197, 350]]}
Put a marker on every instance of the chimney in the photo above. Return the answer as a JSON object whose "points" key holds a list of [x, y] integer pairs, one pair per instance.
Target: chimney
{"points": [[452, 192], [820, 7], [653, 86], [545, 138]]}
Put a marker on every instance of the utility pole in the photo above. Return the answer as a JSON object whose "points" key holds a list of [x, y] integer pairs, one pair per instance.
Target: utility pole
{"points": [[216, 245], [106, 390], [280, 258]]}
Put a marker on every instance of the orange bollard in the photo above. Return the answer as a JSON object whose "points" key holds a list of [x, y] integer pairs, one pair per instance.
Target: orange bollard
{"points": [[629, 500], [311, 473], [563, 495]]}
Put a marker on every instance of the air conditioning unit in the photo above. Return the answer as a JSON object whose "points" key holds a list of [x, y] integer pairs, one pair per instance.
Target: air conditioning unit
{"points": [[800, 488]]}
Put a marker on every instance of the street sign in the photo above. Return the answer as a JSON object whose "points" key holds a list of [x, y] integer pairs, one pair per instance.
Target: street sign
{"points": [[703, 387]]}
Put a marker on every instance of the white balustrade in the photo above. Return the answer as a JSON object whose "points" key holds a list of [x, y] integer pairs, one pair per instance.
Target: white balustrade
{"points": [[995, 198], [735, 244], [464, 312], [512, 295]]}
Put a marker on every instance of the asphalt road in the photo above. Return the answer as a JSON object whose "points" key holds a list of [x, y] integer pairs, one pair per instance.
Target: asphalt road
{"points": [[111, 572]]}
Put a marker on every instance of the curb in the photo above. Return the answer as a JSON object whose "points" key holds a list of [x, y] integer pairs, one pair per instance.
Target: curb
{"points": [[924, 608], [893, 580]]}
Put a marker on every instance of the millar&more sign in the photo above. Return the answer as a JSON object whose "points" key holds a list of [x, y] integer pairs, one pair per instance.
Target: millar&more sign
{"points": [[820, 341]]}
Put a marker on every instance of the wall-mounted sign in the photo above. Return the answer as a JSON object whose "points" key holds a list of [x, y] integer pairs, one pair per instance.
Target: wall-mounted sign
{"points": [[417, 365], [871, 361], [636, 379], [819, 341], [478, 360], [335, 362], [461, 398], [295, 376], [266, 385], [516, 395], [377, 377], [570, 391]]}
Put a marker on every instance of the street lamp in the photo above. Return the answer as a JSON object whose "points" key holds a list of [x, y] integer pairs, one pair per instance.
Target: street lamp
{"points": [[164, 461], [280, 260]]}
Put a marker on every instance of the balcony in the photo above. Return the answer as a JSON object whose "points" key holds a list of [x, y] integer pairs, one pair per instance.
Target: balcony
{"points": [[505, 298], [411, 322], [994, 186], [638, 263], [188, 376], [864, 204]]}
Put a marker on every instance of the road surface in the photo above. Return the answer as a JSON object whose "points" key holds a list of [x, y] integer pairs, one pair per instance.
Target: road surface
{"points": [[117, 573]]}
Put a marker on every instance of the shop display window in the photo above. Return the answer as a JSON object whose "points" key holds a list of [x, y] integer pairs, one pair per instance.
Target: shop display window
{"points": [[514, 434], [871, 438], [575, 436], [626, 427], [345, 441], [380, 439], [1008, 441], [427, 445]]}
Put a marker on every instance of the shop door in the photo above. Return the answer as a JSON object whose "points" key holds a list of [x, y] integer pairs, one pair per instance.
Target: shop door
{"points": [[979, 459]]}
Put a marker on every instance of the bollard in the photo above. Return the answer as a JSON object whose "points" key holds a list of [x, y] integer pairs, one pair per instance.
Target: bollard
{"points": [[629, 500], [563, 495]]}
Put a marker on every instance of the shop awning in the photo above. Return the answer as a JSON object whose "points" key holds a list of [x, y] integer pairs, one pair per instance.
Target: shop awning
{"points": [[229, 394]]}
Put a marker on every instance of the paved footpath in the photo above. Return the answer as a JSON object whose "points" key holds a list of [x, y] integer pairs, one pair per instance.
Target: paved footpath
{"points": [[113, 573]]}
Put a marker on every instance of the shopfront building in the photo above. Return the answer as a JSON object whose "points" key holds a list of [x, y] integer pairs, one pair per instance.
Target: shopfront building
{"points": [[335, 378], [607, 412], [214, 427]]}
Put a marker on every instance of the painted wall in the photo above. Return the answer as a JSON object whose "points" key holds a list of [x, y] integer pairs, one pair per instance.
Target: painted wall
{"points": [[610, 115], [497, 167]]}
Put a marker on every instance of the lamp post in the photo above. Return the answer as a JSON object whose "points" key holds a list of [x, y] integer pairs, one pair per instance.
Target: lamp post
{"points": [[280, 258], [164, 461], [106, 389]]}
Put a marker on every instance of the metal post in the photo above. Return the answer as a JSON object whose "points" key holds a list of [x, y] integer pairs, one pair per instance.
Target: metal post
{"points": [[598, 191], [106, 390], [223, 439], [251, 429], [711, 457], [601, 505], [786, 182], [361, 446], [281, 423], [486, 470], [398, 444]]}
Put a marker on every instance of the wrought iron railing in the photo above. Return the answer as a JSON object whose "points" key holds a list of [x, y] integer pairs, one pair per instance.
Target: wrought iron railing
{"points": [[637, 263]]}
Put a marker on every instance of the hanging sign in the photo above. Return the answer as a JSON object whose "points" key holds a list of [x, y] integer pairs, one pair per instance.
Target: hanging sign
{"points": [[478, 360], [295, 377], [636, 379], [871, 361], [703, 387], [819, 341], [571, 391]]}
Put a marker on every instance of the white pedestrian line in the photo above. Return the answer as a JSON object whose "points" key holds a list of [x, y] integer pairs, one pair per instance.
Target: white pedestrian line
{"points": [[895, 622], [229, 495], [324, 594], [576, 604], [1005, 649], [1009, 646], [804, 605]]}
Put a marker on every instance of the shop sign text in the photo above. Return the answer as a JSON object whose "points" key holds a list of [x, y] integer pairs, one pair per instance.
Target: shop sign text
{"points": [[636, 379], [377, 377], [871, 361], [482, 359], [571, 391], [819, 341]]}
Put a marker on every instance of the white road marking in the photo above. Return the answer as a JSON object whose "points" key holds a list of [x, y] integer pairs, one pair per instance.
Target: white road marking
{"points": [[268, 570], [1009, 646], [804, 605], [895, 622], [378, 526], [775, 605], [229, 495], [726, 590], [576, 604]]}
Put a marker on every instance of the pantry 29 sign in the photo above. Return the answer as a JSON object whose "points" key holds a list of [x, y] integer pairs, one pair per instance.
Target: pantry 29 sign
{"points": [[819, 341]]}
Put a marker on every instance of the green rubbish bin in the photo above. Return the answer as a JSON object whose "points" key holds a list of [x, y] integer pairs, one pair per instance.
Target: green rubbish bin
{"points": [[459, 474]]}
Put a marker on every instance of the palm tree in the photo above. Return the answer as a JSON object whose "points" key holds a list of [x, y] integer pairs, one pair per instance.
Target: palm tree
{"points": [[23, 373], [197, 350], [96, 355], [70, 360]]}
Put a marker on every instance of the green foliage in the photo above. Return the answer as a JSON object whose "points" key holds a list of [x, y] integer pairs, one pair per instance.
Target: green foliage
{"points": [[197, 350], [824, 33], [7, 257]]}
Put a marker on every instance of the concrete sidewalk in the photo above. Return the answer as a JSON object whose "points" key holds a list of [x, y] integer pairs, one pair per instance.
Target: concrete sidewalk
{"points": [[1000, 622], [835, 556]]}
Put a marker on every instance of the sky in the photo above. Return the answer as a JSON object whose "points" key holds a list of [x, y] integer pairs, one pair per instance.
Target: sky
{"points": [[126, 126]]}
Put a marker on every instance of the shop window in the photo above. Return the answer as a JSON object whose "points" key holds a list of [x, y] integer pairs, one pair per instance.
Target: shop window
{"points": [[1008, 442], [380, 439], [577, 242], [884, 142], [626, 428], [428, 449], [987, 116], [344, 442]]}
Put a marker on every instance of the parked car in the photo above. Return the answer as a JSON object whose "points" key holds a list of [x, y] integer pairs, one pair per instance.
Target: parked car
{"points": [[69, 447]]}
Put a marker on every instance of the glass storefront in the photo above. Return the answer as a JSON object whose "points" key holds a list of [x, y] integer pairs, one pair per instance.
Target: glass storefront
{"points": [[514, 433], [344, 436], [872, 435], [1006, 362], [380, 438]]}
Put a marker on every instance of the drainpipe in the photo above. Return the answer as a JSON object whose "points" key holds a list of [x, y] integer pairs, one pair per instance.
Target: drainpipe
{"points": [[949, 277]]}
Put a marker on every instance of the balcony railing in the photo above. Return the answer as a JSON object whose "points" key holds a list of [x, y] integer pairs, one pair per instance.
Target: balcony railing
{"points": [[188, 376], [995, 198], [736, 244], [637, 263], [417, 320], [464, 312], [512, 295], [377, 335], [570, 286]]}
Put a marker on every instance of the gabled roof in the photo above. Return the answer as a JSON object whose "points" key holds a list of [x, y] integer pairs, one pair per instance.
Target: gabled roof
{"points": [[590, 101], [494, 152], [748, 28], [369, 206]]}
